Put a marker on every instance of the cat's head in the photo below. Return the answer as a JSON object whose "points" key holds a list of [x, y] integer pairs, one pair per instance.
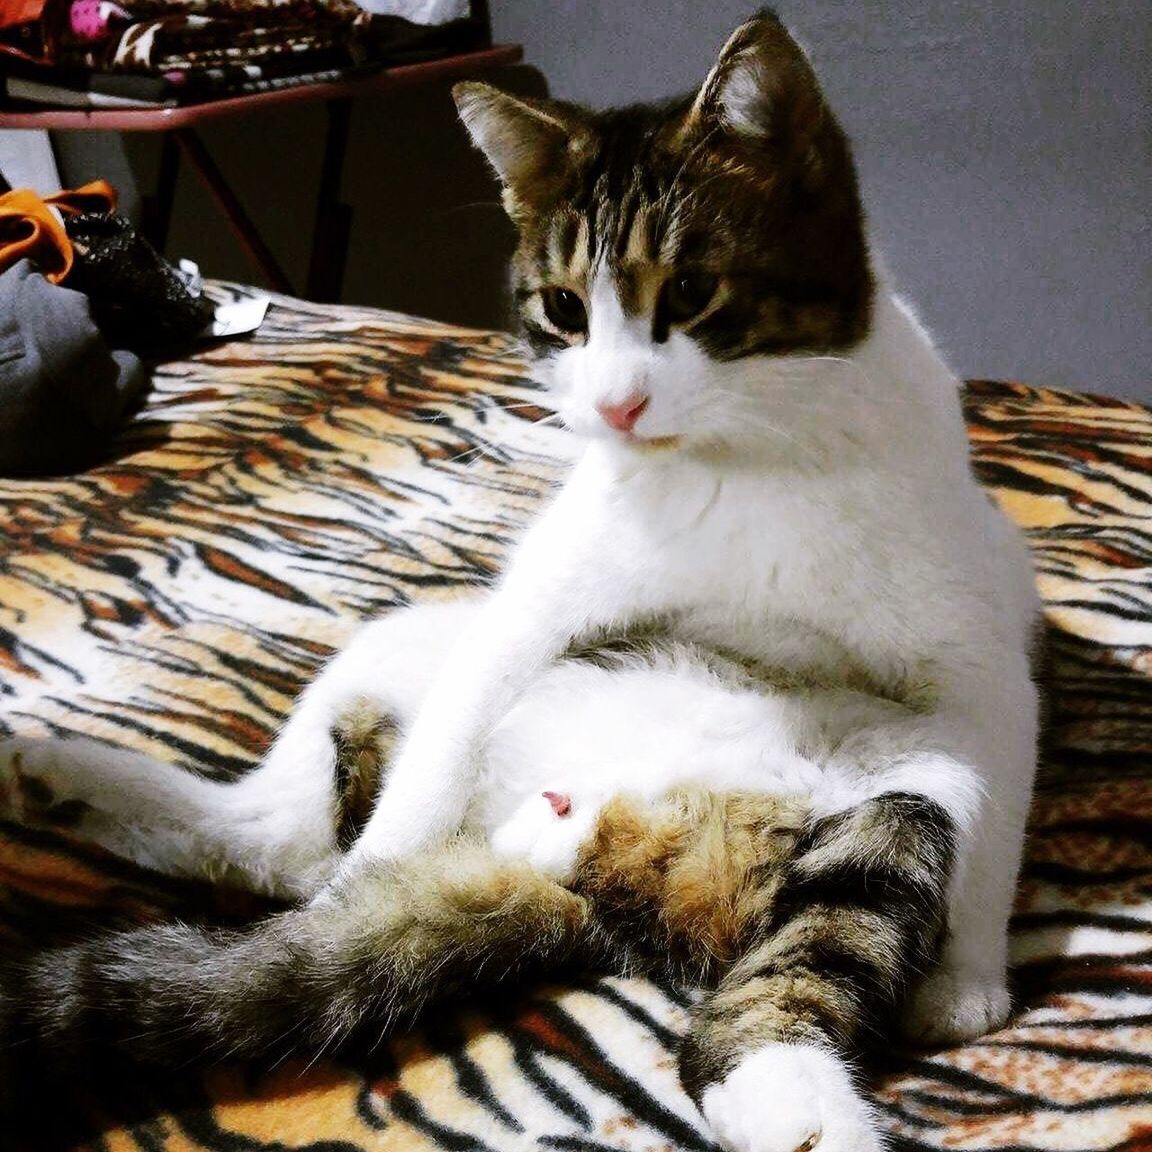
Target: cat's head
{"points": [[672, 256]]}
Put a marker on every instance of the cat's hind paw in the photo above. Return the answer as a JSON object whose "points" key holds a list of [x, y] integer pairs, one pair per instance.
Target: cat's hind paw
{"points": [[32, 790], [951, 1007], [790, 1098], [548, 830]]}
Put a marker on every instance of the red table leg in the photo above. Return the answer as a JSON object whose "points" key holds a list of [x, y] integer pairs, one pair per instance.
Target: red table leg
{"points": [[245, 231]]}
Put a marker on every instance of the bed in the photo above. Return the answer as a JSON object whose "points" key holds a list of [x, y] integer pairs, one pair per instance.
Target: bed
{"points": [[278, 489]]}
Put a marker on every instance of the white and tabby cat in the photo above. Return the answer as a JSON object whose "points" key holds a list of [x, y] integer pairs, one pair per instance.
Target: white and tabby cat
{"points": [[776, 494]]}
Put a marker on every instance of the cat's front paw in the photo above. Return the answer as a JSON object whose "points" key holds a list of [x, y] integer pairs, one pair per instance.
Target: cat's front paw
{"points": [[951, 1006], [790, 1098]]}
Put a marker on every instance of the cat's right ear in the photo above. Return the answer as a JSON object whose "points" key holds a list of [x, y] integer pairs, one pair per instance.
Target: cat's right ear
{"points": [[761, 89], [527, 142]]}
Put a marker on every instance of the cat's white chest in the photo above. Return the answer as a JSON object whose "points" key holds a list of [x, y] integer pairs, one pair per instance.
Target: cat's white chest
{"points": [[733, 551]]}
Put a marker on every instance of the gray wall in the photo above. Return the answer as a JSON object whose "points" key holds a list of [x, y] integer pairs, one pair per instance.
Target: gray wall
{"points": [[1003, 149]]}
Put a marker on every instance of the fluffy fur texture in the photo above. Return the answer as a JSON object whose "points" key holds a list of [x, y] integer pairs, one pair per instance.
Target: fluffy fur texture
{"points": [[807, 931], [776, 515]]}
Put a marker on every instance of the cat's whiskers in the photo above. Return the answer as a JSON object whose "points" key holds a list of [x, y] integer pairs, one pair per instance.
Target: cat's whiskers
{"points": [[873, 393], [791, 395], [697, 189], [471, 455], [823, 358], [752, 417], [474, 204], [761, 425], [555, 420], [510, 407], [799, 382], [670, 196], [520, 347], [694, 194], [552, 417]]}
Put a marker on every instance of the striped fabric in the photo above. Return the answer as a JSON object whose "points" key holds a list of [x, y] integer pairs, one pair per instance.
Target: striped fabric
{"points": [[278, 490]]}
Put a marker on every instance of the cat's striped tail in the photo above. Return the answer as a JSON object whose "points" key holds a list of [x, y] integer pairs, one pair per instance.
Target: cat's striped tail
{"points": [[367, 956]]}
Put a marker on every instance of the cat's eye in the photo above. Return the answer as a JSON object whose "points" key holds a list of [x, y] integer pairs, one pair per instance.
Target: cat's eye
{"points": [[687, 294], [564, 309]]}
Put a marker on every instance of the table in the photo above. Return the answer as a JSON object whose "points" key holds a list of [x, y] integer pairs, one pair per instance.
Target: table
{"points": [[179, 124]]}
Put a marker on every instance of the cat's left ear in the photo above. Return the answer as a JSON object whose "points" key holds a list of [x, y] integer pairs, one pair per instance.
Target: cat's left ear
{"points": [[762, 89]]}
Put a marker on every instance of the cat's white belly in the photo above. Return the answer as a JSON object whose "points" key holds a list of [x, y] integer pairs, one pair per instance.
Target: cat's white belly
{"points": [[643, 730], [587, 734]]}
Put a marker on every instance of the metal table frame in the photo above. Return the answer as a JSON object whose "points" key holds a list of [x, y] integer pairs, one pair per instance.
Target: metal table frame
{"points": [[179, 125]]}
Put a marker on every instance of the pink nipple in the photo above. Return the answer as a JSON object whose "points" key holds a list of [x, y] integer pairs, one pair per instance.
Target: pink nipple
{"points": [[561, 802]]}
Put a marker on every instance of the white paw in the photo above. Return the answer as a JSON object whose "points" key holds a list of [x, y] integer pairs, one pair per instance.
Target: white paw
{"points": [[291, 865], [547, 830], [951, 1006], [33, 788], [790, 1098]]}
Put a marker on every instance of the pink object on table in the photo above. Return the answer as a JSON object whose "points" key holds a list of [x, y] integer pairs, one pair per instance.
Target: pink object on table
{"points": [[94, 20]]}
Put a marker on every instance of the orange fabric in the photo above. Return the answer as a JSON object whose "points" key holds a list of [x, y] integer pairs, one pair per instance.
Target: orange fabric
{"points": [[25, 29], [20, 12], [96, 196], [30, 228]]}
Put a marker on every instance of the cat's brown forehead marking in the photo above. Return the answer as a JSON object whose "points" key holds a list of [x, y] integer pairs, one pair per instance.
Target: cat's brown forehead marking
{"points": [[564, 255], [651, 193], [618, 226], [636, 265], [638, 285]]}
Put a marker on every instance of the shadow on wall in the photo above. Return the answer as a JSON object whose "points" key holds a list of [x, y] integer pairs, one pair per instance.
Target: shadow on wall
{"points": [[428, 233]]}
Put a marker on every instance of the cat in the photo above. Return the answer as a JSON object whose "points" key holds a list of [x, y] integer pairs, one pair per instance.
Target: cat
{"points": [[774, 517]]}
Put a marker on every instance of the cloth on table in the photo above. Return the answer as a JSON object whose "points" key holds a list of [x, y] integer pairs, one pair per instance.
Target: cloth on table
{"points": [[199, 49], [74, 278], [30, 230], [179, 37], [32, 227], [62, 390]]}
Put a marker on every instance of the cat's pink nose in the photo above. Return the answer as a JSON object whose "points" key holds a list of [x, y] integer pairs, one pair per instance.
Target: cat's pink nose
{"points": [[623, 416]]}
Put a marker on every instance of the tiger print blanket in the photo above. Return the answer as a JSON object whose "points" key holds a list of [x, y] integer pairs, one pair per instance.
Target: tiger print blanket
{"points": [[279, 489]]}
